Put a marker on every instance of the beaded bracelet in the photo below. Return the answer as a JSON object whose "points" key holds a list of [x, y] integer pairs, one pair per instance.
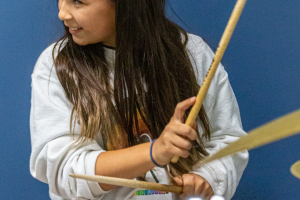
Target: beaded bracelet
{"points": [[161, 166]]}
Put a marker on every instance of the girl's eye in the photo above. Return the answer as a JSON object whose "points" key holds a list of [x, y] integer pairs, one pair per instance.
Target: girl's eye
{"points": [[77, 2]]}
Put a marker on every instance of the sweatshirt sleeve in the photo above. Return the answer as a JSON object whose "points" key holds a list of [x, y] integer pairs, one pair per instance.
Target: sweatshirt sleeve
{"points": [[225, 123], [54, 154]]}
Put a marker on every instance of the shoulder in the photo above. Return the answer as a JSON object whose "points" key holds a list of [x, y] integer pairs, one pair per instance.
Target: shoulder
{"points": [[202, 57], [200, 53], [44, 66], [196, 44]]}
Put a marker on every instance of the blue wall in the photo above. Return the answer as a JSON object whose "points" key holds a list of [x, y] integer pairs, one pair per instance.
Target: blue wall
{"points": [[262, 62]]}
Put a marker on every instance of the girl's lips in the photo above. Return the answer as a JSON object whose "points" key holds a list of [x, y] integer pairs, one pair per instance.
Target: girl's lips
{"points": [[74, 31]]}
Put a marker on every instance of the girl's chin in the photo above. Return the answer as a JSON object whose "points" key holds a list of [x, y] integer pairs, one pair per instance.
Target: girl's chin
{"points": [[80, 42]]}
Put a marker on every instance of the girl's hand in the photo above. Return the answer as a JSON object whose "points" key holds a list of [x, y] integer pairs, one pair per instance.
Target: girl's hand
{"points": [[176, 138], [194, 185]]}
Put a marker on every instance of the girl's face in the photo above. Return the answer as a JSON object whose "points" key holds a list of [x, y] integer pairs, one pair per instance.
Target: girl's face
{"points": [[89, 21]]}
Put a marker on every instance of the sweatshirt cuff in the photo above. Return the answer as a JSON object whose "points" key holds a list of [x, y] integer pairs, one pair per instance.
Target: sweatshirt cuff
{"points": [[208, 175], [90, 163]]}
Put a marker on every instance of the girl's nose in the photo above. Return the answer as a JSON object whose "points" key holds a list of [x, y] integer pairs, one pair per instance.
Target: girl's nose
{"points": [[64, 13]]}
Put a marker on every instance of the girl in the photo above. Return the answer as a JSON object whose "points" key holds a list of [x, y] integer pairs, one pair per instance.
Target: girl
{"points": [[122, 69]]}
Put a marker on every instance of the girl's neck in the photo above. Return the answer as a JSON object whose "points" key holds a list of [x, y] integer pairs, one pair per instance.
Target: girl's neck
{"points": [[109, 47]]}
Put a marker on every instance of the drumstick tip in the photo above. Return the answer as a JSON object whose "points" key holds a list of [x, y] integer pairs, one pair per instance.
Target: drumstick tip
{"points": [[72, 175]]}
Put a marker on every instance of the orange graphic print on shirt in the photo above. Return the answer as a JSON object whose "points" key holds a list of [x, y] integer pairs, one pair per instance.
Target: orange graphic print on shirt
{"points": [[122, 139]]}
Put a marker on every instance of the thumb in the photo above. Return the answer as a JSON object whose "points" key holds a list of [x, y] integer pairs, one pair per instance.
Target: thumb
{"points": [[178, 181], [182, 107]]}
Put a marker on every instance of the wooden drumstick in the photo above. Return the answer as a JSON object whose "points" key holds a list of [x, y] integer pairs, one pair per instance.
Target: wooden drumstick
{"points": [[295, 169], [278, 129], [213, 68], [130, 183]]}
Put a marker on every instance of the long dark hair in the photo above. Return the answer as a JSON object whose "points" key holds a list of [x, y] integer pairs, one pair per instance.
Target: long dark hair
{"points": [[152, 69]]}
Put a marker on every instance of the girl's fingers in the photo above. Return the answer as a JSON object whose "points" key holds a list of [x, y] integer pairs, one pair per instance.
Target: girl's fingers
{"points": [[174, 139], [188, 185], [177, 140], [178, 181], [210, 191], [195, 185], [203, 188], [182, 107], [210, 195], [200, 187], [185, 131], [181, 142], [176, 151]]}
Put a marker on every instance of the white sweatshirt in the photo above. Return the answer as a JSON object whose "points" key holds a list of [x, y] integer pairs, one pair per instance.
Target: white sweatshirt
{"points": [[54, 156]]}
